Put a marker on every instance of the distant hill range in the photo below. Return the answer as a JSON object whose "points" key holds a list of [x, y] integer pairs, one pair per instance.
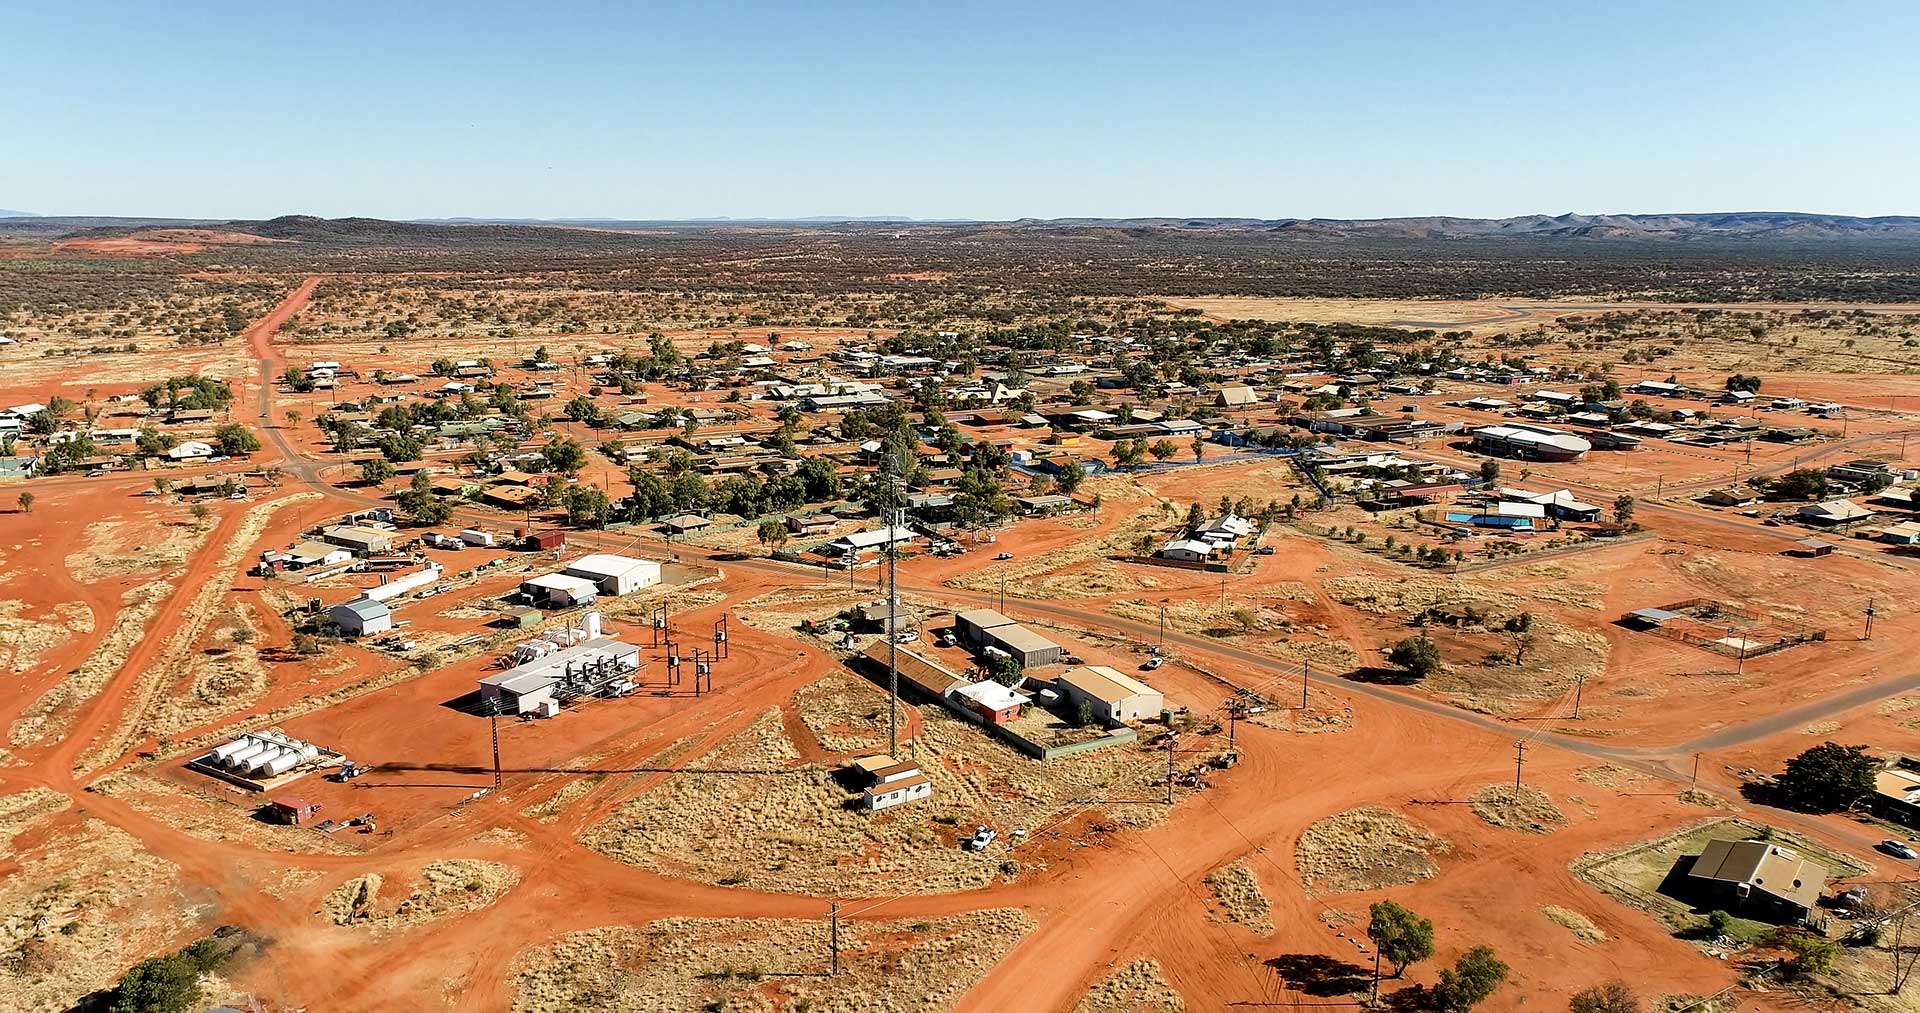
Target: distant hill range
{"points": [[1732, 226]]}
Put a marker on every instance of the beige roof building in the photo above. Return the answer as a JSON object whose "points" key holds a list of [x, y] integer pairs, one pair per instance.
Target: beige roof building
{"points": [[1762, 871], [1114, 695]]}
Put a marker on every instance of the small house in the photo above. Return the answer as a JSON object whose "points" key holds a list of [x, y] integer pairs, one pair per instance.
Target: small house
{"points": [[1757, 879], [996, 704], [1832, 513], [290, 811]]}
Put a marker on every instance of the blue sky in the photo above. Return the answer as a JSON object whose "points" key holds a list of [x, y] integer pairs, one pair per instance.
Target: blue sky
{"points": [[971, 110]]}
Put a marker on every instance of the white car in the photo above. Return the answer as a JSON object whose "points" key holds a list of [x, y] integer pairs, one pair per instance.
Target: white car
{"points": [[983, 835], [1004, 555], [906, 637], [1155, 662]]}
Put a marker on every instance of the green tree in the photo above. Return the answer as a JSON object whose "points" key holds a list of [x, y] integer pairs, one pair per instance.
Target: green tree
{"points": [[1199, 448], [400, 447], [236, 439], [1622, 509], [152, 442], [1419, 656], [1470, 980], [772, 534], [421, 504], [1004, 669], [1811, 954], [1163, 450], [1070, 478], [564, 455], [26, 502], [169, 984], [200, 512], [1610, 997], [586, 505], [376, 471], [1829, 777], [1805, 483], [1489, 471], [1401, 937], [651, 497]]}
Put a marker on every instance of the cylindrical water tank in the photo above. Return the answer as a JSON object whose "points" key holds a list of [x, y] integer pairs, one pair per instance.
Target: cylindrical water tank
{"points": [[226, 749], [281, 764], [240, 757], [258, 763], [309, 751]]}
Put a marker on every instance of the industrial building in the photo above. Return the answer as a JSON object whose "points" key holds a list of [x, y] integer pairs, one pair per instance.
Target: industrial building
{"points": [[1028, 648], [361, 617], [1534, 443], [615, 575], [1114, 696], [864, 541], [363, 541], [601, 666], [986, 628], [973, 624], [560, 590]]}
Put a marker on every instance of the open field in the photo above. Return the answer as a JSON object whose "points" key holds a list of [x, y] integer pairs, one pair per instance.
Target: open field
{"points": [[702, 963], [678, 850]]}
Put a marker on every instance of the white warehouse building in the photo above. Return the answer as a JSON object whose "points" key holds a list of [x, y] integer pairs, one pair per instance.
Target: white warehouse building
{"points": [[615, 575], [361, 617]]}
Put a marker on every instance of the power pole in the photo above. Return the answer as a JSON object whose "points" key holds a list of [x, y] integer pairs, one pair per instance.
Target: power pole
{"points": [[1871, 612], [1163, 625], [1519, 760], [1579, 686], [1303, 685], [493, 721], [1696, 773], [895, 517], [833, 940]]}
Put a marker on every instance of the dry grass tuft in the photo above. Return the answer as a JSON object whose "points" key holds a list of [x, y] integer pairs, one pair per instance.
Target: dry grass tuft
{"points": [[1527, 810], [1138, 987], [764, 965], [452, 887], [1580, 925], [1365, 849], [1239, 892]]}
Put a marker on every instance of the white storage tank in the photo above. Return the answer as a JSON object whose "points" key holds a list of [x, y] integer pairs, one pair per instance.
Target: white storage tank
{"points": [[240, 757], [281, 764], [226, 749]]}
